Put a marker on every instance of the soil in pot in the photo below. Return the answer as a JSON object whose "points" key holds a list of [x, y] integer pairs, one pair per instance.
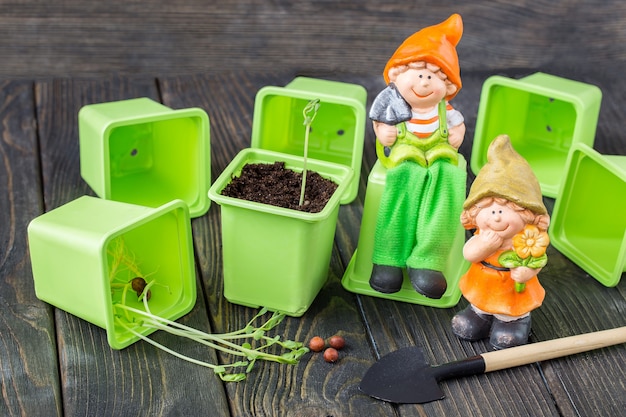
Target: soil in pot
{"points": [[280, 186]]}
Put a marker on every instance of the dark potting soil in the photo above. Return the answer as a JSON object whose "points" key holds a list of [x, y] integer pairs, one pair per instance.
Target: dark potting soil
{"points": [[279, 186]]}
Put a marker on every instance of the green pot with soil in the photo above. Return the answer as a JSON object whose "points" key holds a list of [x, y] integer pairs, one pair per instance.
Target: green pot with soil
{"points": [[273, 256], [278, 256]]}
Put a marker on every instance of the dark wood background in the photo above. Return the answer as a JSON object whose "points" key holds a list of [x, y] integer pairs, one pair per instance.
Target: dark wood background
{"points": [[57, 57], [95, 38]]}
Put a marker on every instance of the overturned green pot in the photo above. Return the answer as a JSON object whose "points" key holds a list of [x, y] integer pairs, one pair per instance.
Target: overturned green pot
{"points": [[544, 115], [74, 254], [141, 152], [588, 223], [276, 257]]}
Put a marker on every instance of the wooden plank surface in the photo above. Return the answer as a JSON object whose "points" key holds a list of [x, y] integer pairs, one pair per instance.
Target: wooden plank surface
{"points": [[90, 38], [28, 355], [56, 362]]}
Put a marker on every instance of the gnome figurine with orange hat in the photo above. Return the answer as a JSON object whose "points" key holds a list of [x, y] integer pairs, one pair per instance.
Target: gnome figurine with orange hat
{"points": [[507, 251], [418, 134]]}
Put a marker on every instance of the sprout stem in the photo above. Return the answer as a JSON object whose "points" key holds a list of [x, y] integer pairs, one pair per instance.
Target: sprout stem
{"points": [[164, 348], [309, 113], [220, 342], [203, 338]]}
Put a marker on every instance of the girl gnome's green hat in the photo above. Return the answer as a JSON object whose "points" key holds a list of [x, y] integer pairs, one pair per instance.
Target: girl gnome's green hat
{"points": [[506, 174]]}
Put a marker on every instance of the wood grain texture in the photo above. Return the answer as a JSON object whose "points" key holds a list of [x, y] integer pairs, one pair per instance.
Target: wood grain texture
{"points": [[28, 357], [78, 38]]}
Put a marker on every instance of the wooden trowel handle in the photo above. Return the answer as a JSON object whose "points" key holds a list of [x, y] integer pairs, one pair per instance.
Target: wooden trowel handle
{"points": [[550, 349]]}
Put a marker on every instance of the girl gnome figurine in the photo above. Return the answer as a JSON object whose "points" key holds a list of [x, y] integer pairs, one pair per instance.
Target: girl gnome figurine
{"points": [[507, 251], [418, 134]]}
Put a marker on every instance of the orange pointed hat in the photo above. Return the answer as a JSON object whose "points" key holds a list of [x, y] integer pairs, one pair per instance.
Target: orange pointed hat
{"points": [[433, 44]]}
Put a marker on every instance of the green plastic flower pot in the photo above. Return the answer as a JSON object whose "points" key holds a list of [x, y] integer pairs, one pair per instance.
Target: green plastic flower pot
{"points": [[337, 133], [275, 257], [357, 274], [72, 254], [141, 152], [588, 221], [544, 116]]}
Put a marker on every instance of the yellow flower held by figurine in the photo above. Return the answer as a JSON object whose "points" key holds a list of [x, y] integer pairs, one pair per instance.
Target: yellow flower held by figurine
{"points": [[530, 242], [529, 249]]}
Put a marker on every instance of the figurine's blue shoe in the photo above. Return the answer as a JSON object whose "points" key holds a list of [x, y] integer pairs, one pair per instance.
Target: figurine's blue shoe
{"points": [[470, 325], [429, 283], [386, 279], [506, 334]]}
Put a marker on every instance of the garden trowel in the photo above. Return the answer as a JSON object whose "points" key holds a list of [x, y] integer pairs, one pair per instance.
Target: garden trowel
{"points": [[404, 377]]}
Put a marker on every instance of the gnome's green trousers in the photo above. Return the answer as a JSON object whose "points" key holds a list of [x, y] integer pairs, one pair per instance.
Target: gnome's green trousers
{"points": [[419, 215]]}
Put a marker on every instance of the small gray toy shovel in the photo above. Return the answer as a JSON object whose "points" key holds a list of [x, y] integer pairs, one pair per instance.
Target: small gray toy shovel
{"points": [[404, 377]]}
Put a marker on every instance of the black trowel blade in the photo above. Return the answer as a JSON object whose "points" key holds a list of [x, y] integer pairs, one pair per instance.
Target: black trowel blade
{"points": [[402, 377]]}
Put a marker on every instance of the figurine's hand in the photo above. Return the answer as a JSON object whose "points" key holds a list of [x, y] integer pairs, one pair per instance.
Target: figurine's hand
{"points": [[523, 273], [490, 240], [386, 134], [456, 135], [480, 246]]}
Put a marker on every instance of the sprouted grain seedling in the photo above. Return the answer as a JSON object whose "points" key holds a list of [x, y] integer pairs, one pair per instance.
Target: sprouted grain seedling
{"points": [[309, 113], [248, 344]]}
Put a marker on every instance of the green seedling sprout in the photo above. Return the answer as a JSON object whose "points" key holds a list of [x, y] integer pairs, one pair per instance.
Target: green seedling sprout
{"points": [[248, 344], [309, 113]]}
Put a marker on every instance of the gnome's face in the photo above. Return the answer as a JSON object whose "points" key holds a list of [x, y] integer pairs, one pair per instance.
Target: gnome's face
{"points": [[421, 87], [500, 219]]}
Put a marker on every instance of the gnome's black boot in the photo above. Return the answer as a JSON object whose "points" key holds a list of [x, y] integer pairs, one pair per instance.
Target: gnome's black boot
{"points": [[386, 279], [471, 325], [506, 334], [429, 283]]}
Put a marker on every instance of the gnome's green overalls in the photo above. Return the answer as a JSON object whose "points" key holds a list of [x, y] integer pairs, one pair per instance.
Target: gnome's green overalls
{"points": [[422, 200]]}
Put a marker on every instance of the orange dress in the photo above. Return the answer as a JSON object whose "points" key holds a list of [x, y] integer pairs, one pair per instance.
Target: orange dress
{"points": [[493, 291]]}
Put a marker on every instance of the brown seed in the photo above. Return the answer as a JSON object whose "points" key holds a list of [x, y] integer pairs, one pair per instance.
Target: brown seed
{"points": [[138, 284], [317, 344], [337, 342], [331, 355]]}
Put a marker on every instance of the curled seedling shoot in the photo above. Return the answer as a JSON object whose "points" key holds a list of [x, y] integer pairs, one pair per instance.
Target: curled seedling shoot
{"points": [[309, 113]]}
